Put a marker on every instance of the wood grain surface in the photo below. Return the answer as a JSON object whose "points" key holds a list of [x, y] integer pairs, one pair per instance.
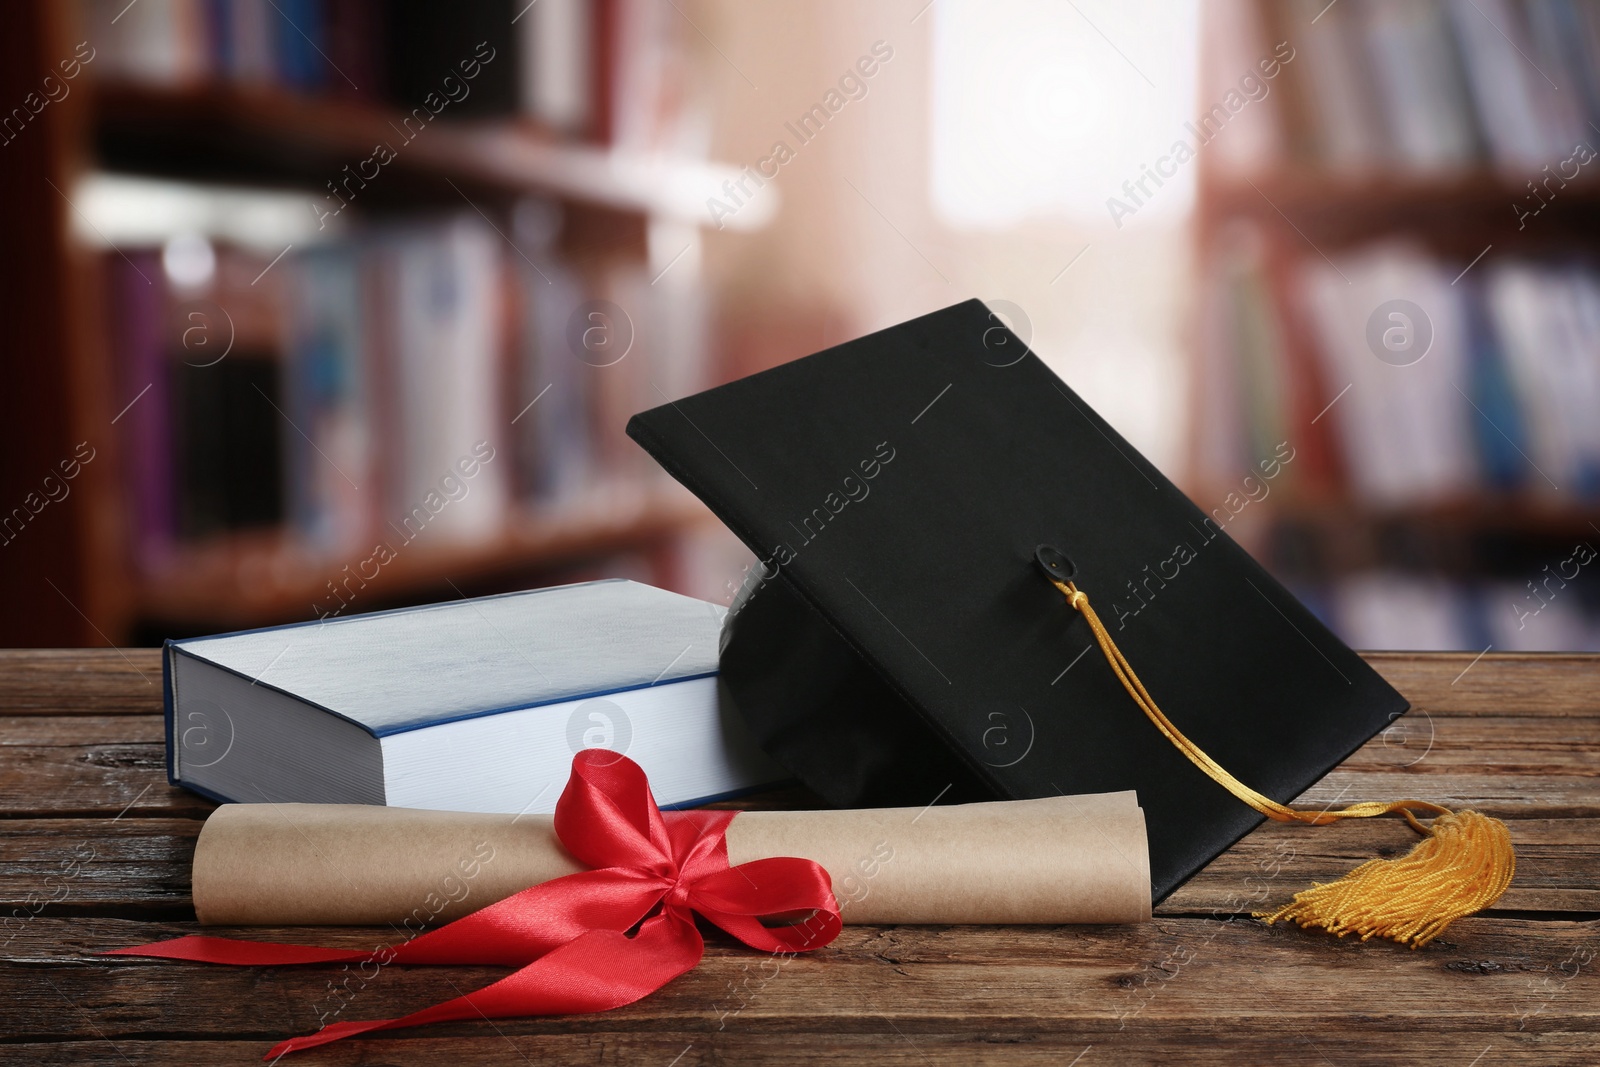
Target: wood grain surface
{"points": [[95, 848]]}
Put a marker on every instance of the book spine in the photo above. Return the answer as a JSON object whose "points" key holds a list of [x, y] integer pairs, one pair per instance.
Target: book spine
{"points": [[139, 313], [168, 714]]}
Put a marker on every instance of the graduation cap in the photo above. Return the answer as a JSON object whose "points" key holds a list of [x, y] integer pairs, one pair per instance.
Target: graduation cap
{"points": [[932, 510]]}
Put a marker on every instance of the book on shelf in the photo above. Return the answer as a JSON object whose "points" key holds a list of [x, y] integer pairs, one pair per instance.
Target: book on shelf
{"points": [[1428, 87], [1387, 608], [199, 434], [558, 39], [226, 412], [438, 295], [1516, 129], [1417, 72], [1236, 126], [165, 42], [472, 705], [608, 71], [1407, 433], [1334, 101], [1487, 395], [331, 365], [556, 458], [1429, 381], [138, 307], [463, 58], [1548, 321], [421, 380], [1259, 387]]}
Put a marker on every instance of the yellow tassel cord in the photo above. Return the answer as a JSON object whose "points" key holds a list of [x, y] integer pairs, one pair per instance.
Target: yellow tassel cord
{"points": [[1462, 865]]}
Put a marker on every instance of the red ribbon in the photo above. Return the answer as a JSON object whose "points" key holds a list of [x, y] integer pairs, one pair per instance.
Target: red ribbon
{"points": [[569, 937]]}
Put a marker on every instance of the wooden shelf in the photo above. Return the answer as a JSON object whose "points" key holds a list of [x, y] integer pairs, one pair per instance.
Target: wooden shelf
{"points": [[1311, 188], [259, 579], [1465, 537], [260, 136], [1468, 207], [1489, 513]]}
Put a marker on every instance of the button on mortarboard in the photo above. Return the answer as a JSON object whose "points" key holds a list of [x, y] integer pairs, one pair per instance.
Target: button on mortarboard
{"points": [[1055, 563]]}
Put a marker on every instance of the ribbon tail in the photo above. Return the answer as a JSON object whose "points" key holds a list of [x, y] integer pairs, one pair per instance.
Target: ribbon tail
{"points": [[597, 971], [198, 949], [508, 933]]}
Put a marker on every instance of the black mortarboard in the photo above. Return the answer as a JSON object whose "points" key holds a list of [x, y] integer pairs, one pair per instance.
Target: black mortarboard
{"points": [[901, 642]]}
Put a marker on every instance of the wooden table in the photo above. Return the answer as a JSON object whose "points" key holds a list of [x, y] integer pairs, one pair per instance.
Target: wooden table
{"points": [[95, 851]]}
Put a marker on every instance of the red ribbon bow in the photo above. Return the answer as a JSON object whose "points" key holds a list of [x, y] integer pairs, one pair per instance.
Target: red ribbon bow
{"points": [[569, 937]]}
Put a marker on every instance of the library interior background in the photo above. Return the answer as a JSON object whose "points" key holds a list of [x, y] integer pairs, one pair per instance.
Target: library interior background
{"points": [[319, 307]]}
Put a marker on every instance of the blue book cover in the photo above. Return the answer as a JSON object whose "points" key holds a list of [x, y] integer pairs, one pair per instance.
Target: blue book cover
{"points": [[301, 44], [1497, 424]]}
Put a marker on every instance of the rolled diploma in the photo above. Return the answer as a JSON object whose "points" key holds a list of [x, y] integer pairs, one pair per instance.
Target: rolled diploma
{"points": [[1079, 859]]}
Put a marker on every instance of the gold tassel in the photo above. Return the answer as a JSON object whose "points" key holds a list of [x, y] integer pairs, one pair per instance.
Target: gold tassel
{"points": [[1462, 865]]}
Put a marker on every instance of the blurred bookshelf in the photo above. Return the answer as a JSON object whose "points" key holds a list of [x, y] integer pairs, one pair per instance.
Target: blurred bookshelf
{"points": [[1435, 161], [260, 135], [334, 305]]}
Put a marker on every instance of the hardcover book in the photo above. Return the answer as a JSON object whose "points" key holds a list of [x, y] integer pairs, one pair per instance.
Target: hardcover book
{"points": [[472, 705]]}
